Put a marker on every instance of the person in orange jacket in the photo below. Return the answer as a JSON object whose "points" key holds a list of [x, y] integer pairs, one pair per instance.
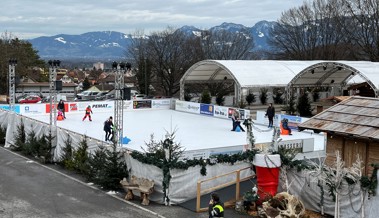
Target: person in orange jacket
{"points": [[88, 113]]}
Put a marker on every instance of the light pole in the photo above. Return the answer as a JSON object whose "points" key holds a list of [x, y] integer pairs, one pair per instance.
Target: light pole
{"points": [[120, 70], [53, 65], [12, 84], [146, 88]]}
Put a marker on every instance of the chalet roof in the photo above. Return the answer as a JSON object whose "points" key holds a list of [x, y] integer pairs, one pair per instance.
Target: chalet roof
{"points": [[356, 117]]}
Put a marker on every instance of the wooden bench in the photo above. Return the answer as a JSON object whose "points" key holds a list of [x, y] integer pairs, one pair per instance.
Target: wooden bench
{"points": [[144, 186]]}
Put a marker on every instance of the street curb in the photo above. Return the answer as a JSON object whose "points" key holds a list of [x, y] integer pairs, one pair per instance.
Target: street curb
{"points": [[85, 184]]}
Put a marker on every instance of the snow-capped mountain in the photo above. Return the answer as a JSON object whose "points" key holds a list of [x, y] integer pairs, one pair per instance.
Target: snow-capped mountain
{"points": [[89, 45], [113, 45]]}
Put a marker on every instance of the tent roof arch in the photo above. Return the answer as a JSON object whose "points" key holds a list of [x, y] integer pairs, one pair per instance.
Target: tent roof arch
{"points": [[246, 73], [331, 73]]}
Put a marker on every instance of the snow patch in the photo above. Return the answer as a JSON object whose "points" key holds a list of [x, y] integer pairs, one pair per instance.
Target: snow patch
{"points": [[111, 193], [260, 34], [196, 33], [61, 39]]}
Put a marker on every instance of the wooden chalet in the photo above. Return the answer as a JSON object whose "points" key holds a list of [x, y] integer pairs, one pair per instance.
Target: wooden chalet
{"points": [[352, 128]]}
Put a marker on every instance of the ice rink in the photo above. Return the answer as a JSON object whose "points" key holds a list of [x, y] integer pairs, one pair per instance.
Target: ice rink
{"points": [[194, 132]]}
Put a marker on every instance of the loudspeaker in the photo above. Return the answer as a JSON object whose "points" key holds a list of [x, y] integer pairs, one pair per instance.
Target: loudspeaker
{"points": [[58, 85], [126, 94]]}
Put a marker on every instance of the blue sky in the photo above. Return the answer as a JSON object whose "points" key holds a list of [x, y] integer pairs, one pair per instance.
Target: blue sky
{"points": [[33, 18]]}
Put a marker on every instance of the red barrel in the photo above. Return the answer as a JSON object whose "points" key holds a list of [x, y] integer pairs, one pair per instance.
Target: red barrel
{"points": [[267, 172], [268, 181]]}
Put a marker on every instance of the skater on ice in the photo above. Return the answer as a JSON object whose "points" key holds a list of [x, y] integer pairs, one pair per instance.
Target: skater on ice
{"points": [[108, 126], [61, 108], [88, 113], [60, 116], [236, 121]]}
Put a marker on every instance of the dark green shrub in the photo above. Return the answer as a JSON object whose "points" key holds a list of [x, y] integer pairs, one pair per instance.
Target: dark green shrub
{"points": [[250, 98], [20, 137], [3, 132], [206, 97], [263, 95], [66, 159], [316, 96], [278, 93], [81, 158], [290, 106], [304, 106], [220, 99], [45, 149], [31, 147]]}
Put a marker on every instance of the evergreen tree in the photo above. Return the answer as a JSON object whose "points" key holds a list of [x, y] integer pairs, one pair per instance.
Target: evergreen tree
{"points": [[20, 137], [250, 98], [205, 97], [290, 107], [45, 150], [81, 157], [278, 93], [263, 95], [66, 159], [304, 106], [97, 162], [220, 99], [31, 146], [3, 132], [13, 48], [115, 169]]}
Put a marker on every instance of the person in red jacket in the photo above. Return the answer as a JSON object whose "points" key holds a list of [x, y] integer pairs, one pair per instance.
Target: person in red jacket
{"points": [[88, 113]]}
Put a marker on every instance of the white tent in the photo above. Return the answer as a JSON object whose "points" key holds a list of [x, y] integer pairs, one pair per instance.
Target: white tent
{"points": [[270, 73]]}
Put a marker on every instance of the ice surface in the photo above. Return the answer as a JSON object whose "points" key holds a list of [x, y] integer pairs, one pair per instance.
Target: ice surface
{"points": [[192, 131]]}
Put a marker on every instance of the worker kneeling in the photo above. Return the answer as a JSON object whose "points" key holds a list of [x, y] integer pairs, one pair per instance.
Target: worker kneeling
{"points": [[284, 128]]}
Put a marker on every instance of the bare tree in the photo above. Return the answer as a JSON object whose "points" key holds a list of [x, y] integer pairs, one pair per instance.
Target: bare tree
{"points": [[226, 45], [309, 32], [360, 21], [171, 53], [138, 52]]}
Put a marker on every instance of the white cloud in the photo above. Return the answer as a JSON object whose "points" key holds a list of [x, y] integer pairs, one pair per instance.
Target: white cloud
{"points": [[28, 19]]}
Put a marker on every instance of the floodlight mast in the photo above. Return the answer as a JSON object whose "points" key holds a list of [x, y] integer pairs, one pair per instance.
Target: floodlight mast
{"points": [[120, 69], [12, 83]]}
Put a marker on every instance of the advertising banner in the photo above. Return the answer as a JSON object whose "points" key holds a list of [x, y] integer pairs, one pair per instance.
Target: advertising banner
{"points": [[221, 112], [206, 109], [66, 107], [95, 106], [140, 104], [16, 108], [73, 107], [161, 104], [208, 153], [293, 121], [128, 105], [186, 106], [32, 108]]}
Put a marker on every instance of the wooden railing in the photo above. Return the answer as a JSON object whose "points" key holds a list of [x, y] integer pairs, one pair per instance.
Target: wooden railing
{"points": [[237, 181]]}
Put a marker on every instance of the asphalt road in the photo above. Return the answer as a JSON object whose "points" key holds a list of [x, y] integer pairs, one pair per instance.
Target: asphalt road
{"points": [[32, 190]]}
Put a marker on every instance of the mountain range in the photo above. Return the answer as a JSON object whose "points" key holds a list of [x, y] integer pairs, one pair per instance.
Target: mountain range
{"points": [[111, 45]]}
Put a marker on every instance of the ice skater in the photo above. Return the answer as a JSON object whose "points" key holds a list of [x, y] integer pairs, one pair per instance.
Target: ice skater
{"points": [[236, 121], [108, 126], [60, 115], [88, 113], [61, 108], [270, 113]]}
